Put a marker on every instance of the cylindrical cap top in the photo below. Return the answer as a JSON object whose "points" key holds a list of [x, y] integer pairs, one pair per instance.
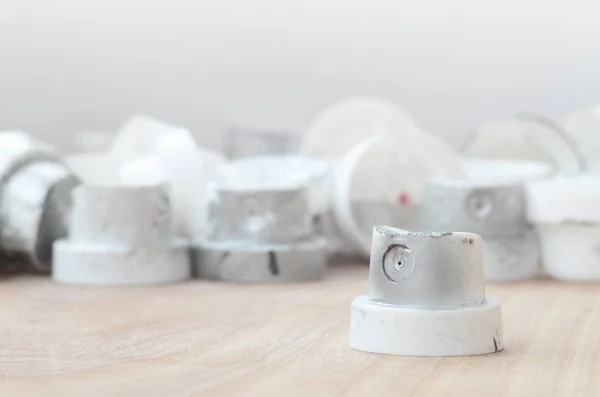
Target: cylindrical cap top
{"points": [[489, 208], [268, 199], [426, 270], [266, 216], [121, 215]]}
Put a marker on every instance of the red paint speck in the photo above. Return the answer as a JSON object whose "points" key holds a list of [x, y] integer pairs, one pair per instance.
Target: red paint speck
{"points": [[404, 199]]}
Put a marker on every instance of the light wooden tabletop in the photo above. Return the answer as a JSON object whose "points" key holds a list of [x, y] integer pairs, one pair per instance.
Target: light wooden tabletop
{"points": [[214, 339]]}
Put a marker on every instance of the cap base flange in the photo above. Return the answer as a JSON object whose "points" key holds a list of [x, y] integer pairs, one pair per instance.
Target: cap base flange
{"points": [[395, 330]]}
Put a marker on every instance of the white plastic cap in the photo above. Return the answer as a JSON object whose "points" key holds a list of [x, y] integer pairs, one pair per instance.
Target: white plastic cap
{"points": [[94, 168], [143, 171], [584, 126], [526, 137], [389, 170], [426, 297], [343, 125], [565, 200]]}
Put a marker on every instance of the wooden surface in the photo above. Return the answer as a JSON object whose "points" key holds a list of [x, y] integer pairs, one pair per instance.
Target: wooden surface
{"points": [[211, 339]]}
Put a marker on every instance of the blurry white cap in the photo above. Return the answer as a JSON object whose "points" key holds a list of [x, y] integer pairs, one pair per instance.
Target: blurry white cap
{"points": [[142, 171]]}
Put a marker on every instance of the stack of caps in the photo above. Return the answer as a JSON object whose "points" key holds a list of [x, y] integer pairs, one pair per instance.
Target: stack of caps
{"points": [[265, 221], [35, 198]]}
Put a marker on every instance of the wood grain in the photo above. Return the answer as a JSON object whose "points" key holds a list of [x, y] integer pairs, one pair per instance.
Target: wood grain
{"points": [[213, 339]]}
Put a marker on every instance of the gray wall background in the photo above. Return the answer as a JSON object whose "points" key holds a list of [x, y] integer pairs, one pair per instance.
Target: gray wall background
{"points": [[74, 65]]}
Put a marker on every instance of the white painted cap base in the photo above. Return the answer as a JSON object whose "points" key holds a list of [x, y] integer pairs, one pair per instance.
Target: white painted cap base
{"points": [[511, 258], [386, 329], [571, 252], [96, 264], [298, 262], [566, 214]]}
